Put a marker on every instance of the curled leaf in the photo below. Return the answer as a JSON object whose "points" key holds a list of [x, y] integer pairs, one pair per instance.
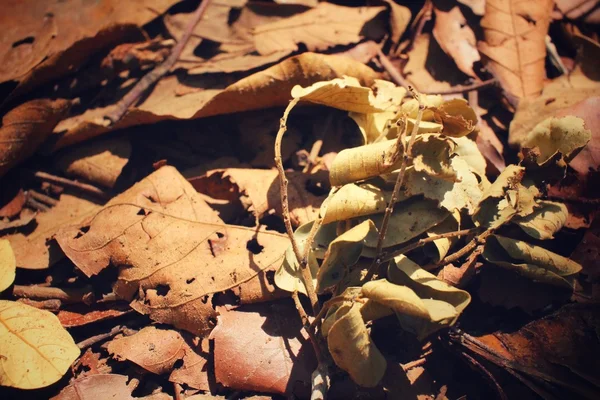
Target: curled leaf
{"points": [[356, 200], [35, 349], [457, 117], [352, 348], [545, 221], [468, 150], [8, 265], [531, 261], [431, 154], [439, 248]]}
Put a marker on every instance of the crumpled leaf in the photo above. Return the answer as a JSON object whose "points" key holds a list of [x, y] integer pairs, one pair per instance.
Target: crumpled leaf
{"points": [[157, 350], [104, 386], [348, 94], [545, 221], [566, 135], [264, 89], [272, 356], [457, 117], [343, 252], [424, 68], [25, 127], [353, 350], [431, 154], [409, 220], [531, 261], [465, 193], [514, 48], [8, 265], [173, 251], [100, 162], [442, 246], [318, 29], [35, 349], [469, 151], [37, 250], [456, 38]]}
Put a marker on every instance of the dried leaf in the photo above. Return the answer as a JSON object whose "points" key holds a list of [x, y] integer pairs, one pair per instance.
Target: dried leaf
{"points": [[318, 29], [25, 127], [544, 222], [25, 218], [470, 151], [343, 252], [35, 349], [531, 261], [271, 356], [431, 155], [12, 200], [353, 350], [457, 117], [584, 10], [104, 386], [456, 38], [37, 250], [174, 252], [442, 246], [514, 46], [8, 265], [81, 314], [566, 135], [354, 200], [264, 89], [427, 70], [100, 162], [399, 20]]}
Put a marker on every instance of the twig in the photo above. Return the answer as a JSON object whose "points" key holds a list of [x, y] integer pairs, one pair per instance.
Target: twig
{"points": [[283, 184], [414, 364], [306, 324], [44, 176], [467, 248], [36, 205], [406, 158], [574, 200], [50, 305], [392, 70], [99, 338], [67, 296], [43, 198], [150, 78], [178, 391], [466, 88]]}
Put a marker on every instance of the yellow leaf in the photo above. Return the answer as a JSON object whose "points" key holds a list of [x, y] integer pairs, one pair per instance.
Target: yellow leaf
{"points": [[8, 265], [544, 222], [354, 200], [566, 135], [35, 349]]}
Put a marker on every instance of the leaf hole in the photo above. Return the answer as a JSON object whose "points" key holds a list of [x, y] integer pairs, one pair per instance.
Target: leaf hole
{"points": [[82, 231], [178, 363], [254, 246], [162, 290], [27, 40], [188, 281], [270, 277], [220, 235]]}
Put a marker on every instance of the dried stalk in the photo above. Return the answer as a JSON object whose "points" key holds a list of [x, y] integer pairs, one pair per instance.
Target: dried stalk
{"points": [[458, 89], [66, 296], [406, 158], [42, 198], [153, 76], [467, 248], [84, 187]]}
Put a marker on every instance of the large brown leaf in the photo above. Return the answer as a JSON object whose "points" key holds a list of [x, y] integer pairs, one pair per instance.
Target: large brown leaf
{"points": [[268, 88], [174, 253], [44, 39], [514, 46], [105, 386], [25, 127]]}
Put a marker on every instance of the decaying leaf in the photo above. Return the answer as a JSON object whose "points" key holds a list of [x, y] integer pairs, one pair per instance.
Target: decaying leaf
{"points": [[356, 200], [272, 355], [457, 117], [104, 386], [174, 252], [545, 221], [82, 314], [37, 250], [25, 127], [35, 349], [424, 69], [158, 350], [100, 162], [566, 135], [317, 28], [8, 265], [432, 154], [343, 253], [531, 261], [352, 348], [514, 46]]}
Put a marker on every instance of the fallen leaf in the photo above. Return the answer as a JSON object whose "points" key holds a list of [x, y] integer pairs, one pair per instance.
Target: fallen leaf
{"points": [[13, 203], [545, 221], [456, 38], [174, 252], [157, 350], [457, 117], [25, 127], [470, 151], [399, 20], [531, 261], [586, 10], [442, 246], [37, 250], [431, 155], [514, 46], [352, 348], [81, 315], [48, 41], [477, 6], [8, 265], [90, 363], [318, 28], [35, 349], [490, 146], [272, 355], [104, 386], [99, 162], [25, 218], [354, 200], [264, 89]]}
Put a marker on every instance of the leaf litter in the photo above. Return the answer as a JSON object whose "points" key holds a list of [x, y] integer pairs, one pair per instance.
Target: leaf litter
{"points": [[389, 205]]}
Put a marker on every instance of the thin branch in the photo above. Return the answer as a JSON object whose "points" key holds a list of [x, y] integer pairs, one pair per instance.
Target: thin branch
{"points": [[466, 88], [67, 296], [573, 200], [283, 185], [93, 190], [392, 70], [42, 198], [467, 248], [100, 337], [153, 76], [306, 324], [406, 158], [36, 205]]}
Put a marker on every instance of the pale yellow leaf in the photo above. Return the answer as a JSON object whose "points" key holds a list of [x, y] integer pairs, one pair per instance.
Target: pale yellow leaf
{"points": [[431, 154], [467, 150], [8, 265], [544, 222], [566, 135]]}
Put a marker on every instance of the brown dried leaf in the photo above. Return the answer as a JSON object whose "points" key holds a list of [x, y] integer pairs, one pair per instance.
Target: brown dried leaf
{"points": [[12, 202], [100, 162], [25, 127], [104, 386], [268, 88], [174, 252], [514, 46], [8, 265], [37, 250], [271, 355], [81, 315], [318, 29]]}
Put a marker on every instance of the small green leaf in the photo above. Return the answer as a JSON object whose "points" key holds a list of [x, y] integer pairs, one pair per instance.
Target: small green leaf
{"points": [[544, 222]]}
